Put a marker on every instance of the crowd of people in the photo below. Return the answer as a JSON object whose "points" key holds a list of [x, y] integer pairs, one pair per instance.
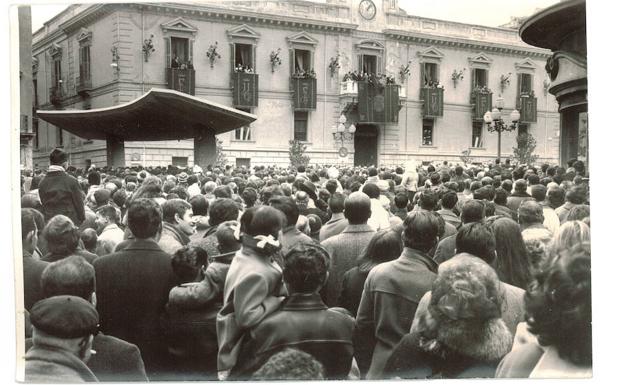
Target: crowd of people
{"points": [[311, 272]]}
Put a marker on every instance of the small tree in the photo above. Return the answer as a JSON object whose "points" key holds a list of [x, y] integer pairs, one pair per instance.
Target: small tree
{"points": [[297, 155], [525, 145], [221, 160]]}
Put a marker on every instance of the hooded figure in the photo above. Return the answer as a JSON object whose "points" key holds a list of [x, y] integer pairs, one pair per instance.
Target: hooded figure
{"points": [[461, 333]]}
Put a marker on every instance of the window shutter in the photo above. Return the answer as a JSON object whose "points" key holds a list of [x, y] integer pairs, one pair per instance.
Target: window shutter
{"points": [[528, 82], [312, 60], [292, 61], [473, 79], [486, 78], [255, 57], [421, 75], [232, 54], [379, 65], [360, 61], [519, 85], [167, 44], [190, 45]]}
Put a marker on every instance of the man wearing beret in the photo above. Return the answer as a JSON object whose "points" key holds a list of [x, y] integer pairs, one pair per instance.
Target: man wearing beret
{"points": [[63, 329], [60, 193]]}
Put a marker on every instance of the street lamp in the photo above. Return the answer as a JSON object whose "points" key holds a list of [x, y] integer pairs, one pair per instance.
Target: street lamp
{"points": [[341, 134], [496, 124]]}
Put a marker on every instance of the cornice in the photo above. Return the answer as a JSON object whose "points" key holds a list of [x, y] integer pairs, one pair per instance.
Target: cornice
{"points": [[479, 45]]}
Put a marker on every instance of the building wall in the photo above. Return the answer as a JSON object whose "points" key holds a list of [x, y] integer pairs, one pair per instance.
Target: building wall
{"points": [[126, 26]]}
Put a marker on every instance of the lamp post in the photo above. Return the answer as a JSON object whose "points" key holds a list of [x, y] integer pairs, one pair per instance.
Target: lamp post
{"points": [[496, 124], [341, 134]]}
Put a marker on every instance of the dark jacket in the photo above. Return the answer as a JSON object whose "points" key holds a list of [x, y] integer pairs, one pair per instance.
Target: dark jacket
{"points": [[33, 268], [334, 226], [60, 193], [390, 298], [90, 257], [445, 249], [352, 289], [303, 322], [114, 360], [52, 364], [516, 199], [132, 290]]}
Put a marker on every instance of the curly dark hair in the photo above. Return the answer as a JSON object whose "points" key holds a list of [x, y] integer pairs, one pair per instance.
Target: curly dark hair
{"points": [[559, 304], [305, 267]]}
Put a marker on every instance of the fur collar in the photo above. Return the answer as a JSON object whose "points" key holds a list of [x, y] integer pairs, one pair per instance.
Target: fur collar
{"points": [[487, 342]]}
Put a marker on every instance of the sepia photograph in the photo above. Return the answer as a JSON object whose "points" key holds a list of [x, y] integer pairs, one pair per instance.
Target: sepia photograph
{"points": [[301, 190]]}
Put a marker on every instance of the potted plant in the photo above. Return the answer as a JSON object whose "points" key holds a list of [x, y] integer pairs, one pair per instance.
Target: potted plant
{"points": [[275, 60], [333, 65], [505, 81], [148, 48], [212, 54], [457, 76], [404, 71]]}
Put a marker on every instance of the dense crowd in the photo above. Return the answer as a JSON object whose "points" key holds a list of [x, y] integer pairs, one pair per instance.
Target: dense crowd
{"points": [[318, 272]]}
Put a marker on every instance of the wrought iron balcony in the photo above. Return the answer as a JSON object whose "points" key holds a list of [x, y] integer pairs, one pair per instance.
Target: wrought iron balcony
{"points": [[180, 79], [245, 89], [56, 95], [83, 85]]}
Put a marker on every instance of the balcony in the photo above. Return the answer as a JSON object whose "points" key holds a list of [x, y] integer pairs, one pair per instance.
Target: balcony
{"points": [[378, 103], [432, 98], [56, 95], [180, 79], [305, 93], [527, 105], [83, 85], [245, 89], [349, 88], [481, 99]]}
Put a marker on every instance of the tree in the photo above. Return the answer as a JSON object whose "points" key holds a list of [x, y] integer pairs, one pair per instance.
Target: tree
{"points": [[297, 155], [525, 145], [221, 160]]}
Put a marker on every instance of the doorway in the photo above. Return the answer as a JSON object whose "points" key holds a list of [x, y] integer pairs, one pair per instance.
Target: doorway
{"points": [[366, 145]]}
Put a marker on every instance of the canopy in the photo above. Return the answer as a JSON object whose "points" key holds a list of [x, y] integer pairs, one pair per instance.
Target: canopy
{"points": [[160, 114]]}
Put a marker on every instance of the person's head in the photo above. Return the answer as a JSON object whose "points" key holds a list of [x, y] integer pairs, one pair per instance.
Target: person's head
{"points": [[556, 196], [569, 234], [336, 203], [576, 195], [384, 246], [262, 220], [94, 179], [106, 215], [301, 169], [530, 213], [102, 197], [475, 185], [559, 306], [69, 276], [477, 239], [222, 192], [449, 200], [520, 186], [30, 229], [249, 196], [331, 185], [315, 224], [302, 225], [144, 218], [512, 263], [306, 268], [372, 171], [178, 212], [290, 364], [225, 235], [288, 207], [58, 157], [188, 263], [507, 185], [62, 235], [89, 239], [421, 230], [221, 210], [428, 200], [199, 205], [578, 213], [501, 196], [533, 179], [538, 192], [371, 190], [270, 191], [459, 170], [401, 200], [473, 211], [357, 208], [302, 200]]}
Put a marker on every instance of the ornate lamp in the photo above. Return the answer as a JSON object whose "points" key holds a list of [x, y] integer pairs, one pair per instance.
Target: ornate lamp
{"points": [[495, 122], [341, 134]]}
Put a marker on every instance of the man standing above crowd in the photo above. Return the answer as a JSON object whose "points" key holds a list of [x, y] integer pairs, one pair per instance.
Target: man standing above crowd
{"points": [[59, 192]]}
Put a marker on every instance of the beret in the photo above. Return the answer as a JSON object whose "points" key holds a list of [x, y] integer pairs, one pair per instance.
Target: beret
{"points": [[310, 189], [182, 177], [65, 316], [102, 196]]}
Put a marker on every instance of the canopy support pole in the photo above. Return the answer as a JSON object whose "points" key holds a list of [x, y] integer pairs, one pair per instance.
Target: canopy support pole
{"points": [[115, 151], [205, 152]]}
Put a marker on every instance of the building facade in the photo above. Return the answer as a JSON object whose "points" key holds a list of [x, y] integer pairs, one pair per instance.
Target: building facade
{"points": [[294, 64]]}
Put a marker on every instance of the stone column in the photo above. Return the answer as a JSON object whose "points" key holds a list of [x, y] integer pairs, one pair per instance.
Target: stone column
{"points": [[205, 152], [115, 152]]}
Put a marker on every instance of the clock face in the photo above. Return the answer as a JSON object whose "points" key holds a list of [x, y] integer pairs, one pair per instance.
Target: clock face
{"points": [[367, 9]]}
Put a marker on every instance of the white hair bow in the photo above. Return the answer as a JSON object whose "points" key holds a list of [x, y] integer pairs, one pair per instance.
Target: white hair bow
{"points": [[236, 230], [266, 239]]}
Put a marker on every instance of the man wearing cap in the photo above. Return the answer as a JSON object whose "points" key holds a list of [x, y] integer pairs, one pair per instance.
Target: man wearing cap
{"points": [[519, 195], [59, 192], [63, 329]]}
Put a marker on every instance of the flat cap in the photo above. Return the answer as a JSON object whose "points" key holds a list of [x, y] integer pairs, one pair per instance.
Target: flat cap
{"points": [[65, 316]]}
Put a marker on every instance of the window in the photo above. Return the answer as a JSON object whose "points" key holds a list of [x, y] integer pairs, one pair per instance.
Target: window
{"points": [[180, 52], [243, 56], [35, 130], [301, 119], [243, 133], [302, 60], [427, 132], [393, 4], [430, 74], [524, 84], [480, 76], [59, 137], [180, 161], [35, 96], [85, 63], [56, 75], [523, 128], [370, 64], [246, 162], [476, 134]]}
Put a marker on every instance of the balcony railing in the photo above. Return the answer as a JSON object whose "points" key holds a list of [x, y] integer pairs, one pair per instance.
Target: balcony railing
{"points": [[349, 87], [378, 103], [305, 93], [432, 101], [180, 79], [83, 84], [482, 102], [56, 95], [245, 89], [527, 105]]}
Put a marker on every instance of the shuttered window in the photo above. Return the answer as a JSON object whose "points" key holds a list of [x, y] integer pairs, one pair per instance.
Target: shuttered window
{"points": [[301, 120]]}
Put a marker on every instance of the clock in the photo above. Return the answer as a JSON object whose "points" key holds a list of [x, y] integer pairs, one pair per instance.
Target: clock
{"points": [[367, 9]]}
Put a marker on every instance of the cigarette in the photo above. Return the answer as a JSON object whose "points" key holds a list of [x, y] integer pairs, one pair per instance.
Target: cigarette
{"points": [[93, 352]]}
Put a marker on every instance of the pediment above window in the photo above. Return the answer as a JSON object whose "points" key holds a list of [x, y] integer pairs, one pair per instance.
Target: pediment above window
{"points": [[179, 26], [525, 65], [370, 45], [480, 60], [302, 38], [242, 32], [55, 50], [85, 36], [430, 54]]}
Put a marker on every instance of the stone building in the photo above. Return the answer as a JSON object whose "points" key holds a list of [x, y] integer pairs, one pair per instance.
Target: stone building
{"points": [[286, 62]]}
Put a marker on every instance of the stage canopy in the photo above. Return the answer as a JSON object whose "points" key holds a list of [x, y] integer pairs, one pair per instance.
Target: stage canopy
{"points": [[160, 114]]}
